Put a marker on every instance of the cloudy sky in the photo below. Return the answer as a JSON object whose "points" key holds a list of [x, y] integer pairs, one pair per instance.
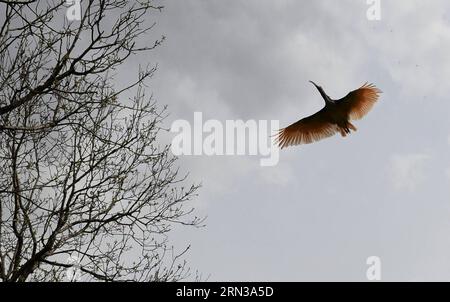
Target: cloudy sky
{"points": [[326, 207]]}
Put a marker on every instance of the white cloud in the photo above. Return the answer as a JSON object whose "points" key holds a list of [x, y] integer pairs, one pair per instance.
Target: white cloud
{"points": [[407, 171]]}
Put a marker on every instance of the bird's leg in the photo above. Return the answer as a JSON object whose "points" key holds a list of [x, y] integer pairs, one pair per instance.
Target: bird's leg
{"points": [[345, 128], [351, 126]]}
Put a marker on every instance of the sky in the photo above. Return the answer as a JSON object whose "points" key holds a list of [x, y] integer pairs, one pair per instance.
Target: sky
{"points": [[326, 207]]}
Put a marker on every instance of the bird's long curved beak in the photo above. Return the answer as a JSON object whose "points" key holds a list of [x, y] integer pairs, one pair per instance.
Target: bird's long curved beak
{"points": [[317, 86]]}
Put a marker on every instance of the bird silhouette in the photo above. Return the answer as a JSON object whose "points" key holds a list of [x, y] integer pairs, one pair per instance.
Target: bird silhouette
{"points": [[333, 118]]}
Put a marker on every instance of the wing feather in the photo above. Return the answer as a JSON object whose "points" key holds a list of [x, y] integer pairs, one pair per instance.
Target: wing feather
{"points": [[306, 131], [359, 102]]}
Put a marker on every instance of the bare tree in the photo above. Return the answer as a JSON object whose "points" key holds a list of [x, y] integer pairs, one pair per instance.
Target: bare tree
{"points": [[84, 185]]}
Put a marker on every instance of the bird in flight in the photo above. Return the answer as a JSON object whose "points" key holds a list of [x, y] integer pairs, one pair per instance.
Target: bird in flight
{"points": [[333, 118]]}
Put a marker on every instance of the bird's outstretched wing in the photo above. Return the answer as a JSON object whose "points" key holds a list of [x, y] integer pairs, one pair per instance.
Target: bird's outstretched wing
{"points": [[359, 102], [306, 131]]}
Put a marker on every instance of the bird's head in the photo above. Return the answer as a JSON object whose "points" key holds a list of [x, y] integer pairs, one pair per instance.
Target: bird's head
{"points": [[317, 86]]}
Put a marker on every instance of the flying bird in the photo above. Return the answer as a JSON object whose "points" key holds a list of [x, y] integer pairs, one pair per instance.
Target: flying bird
{"points": [[333, 118]]}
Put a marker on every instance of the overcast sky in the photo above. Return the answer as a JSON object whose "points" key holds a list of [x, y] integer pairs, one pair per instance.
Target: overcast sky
{"points": [[326, 207]]}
